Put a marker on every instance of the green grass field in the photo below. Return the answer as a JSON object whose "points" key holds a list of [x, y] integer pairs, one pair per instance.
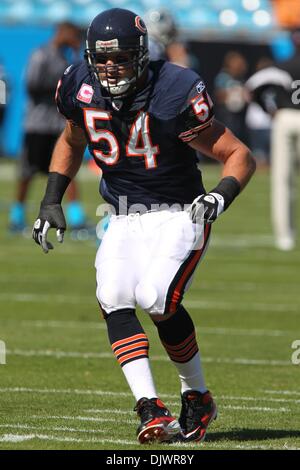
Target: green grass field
{"points": [[61, 388]]}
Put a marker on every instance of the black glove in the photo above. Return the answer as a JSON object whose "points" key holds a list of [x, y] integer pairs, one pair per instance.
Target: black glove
{"points": [[50, 216], [206, 207]]}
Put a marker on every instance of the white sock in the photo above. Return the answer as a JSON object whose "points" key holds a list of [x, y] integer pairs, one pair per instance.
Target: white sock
{"points": [[191, 375], [139, 377]]}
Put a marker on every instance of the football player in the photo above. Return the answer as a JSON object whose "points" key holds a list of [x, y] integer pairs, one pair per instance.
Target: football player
{"points": [[273, 89], [43, 124], [143, 122], [164, 40]]}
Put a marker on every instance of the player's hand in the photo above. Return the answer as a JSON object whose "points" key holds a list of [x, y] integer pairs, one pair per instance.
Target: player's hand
{"points": [[50, 216], [206, 207]]}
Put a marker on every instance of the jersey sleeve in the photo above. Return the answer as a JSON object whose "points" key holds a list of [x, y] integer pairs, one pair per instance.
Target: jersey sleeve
{"points": [[64, 96], [197, 113]]}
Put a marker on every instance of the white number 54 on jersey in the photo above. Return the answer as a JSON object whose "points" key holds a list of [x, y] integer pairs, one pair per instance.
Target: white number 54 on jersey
{"points": [[139, 141]]}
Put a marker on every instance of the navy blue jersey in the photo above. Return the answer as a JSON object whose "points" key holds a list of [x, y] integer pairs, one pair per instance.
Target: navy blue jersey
{"points": [[140, 143]]}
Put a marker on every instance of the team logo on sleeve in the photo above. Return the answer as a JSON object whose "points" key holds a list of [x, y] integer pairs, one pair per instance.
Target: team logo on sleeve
{"points": [[85, 93], [200, 87]]}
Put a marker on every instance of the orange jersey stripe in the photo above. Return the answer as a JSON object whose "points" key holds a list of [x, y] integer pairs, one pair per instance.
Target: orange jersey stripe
{"points": [[181, 345], [131, 346], [187, 357], [128, 340], [143, 352], [184, 351]]}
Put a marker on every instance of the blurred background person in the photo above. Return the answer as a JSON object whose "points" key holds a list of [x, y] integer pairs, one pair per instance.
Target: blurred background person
{"points": [[43, 123], [292, 65], [164, 40], [230, 96], [271, 88], [3, 103], [259, 123]]}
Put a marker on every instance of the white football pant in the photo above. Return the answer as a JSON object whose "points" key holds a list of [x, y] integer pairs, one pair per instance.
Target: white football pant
{"points": [[148, 260]]}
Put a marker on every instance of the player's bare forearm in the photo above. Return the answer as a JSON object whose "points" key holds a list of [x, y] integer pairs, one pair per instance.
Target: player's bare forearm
{"points": [[240, 164], [218, 142], [68, 152]]}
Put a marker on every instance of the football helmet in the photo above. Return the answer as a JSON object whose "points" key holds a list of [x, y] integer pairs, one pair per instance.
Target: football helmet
{"points": [[121, 35]]}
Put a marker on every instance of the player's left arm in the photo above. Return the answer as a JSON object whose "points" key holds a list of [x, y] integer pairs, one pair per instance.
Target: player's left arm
{"points": [[219, 143]]}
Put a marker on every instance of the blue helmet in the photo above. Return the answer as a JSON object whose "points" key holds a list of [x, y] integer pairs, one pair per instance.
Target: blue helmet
{"points": [[117, 31]]}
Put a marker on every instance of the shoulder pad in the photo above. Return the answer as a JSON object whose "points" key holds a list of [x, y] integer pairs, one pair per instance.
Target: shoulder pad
{"points": [[172, 89], [69, 86]]}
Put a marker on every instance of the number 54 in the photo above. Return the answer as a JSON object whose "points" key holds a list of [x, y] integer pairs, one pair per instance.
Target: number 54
{"points": [[139, 142]]}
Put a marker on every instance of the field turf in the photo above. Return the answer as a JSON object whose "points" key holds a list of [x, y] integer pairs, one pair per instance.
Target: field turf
{"points": [[61, 388]]}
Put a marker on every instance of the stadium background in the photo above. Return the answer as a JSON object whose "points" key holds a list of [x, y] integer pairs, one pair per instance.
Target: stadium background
{"points": [[56, 391], [210, 26]]}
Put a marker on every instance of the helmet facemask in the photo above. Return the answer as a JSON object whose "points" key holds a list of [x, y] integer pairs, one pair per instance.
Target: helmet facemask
{"points": [[112, 77]]}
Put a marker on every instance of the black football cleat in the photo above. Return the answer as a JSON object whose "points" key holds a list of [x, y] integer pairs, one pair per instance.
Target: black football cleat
{"points": [[197, 412], [157, 423]]}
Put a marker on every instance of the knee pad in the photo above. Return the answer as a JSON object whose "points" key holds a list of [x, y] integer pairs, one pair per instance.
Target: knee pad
{"points": [[145, 295], [112, 298]]}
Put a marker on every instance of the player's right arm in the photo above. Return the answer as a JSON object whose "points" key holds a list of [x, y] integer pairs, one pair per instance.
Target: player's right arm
{"points": [[68, 152], [66, 160]]}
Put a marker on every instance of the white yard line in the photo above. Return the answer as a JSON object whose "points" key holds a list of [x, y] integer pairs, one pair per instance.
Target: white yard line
{"points": [[259, 399], [109, 356], [15, 438], [109, 411], [19, 438], [51, 428], [53, 298], [244, 332], [229, 446], [256, 408], [46, 437], [8, 173], [282, 392], [192, 304], [110, 393], [85, 418], [63, 391], [249, 307], [247, 362], [242, 241], [217, 397], [202, 329], [230, 407], [64, 324], [58, 354]]}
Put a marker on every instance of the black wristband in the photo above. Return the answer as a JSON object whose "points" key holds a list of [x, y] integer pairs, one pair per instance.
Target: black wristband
{"points": [[56, 187], [229, 188]]}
